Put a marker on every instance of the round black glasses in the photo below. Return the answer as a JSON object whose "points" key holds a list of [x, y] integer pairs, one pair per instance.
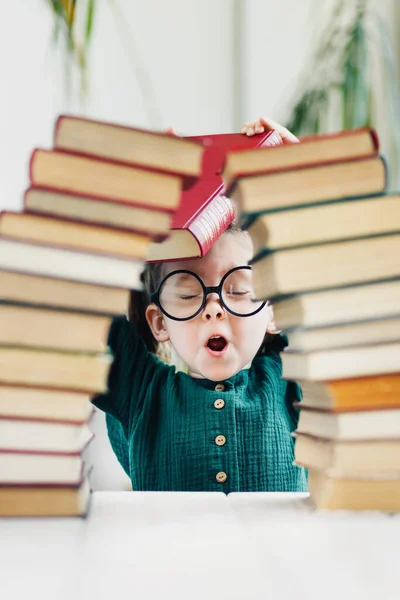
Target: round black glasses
{"points": [[182, 294]]}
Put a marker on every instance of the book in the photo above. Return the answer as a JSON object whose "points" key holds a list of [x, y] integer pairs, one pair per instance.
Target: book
{"points": [[45, 501], [21, 435], [53, 329], [326, 182], [204, 212], [381, 391], [84, 237], [60, 370], [314, 149], [347, 458], [113, 181], [328, 265], [341, 305], [88, 267], [325, 223], [24, 468], [197, 235], [131, 145], [350, 426], [94, 209], [36, 290], [334, 493], [18, 401], [341, 363], [340, 336]]}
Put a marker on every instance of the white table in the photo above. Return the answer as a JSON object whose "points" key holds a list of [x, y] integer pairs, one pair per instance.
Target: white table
{"points": [[197, 546]]}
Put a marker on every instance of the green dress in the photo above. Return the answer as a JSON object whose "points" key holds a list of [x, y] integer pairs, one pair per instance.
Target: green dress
{"points": [[172, 432]]}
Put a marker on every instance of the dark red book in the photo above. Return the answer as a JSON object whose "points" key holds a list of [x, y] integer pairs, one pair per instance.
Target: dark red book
{"points": [[204, 212]]}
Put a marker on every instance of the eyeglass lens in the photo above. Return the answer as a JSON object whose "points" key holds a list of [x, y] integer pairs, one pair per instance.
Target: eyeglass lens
{"points": [[181, 295]]}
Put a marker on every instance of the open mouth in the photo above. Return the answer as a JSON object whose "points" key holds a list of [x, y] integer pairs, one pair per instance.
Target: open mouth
{"points": [[217, 343]]}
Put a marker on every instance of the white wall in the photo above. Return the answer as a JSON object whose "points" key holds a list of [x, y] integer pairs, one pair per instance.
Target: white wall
{"points": [[276, 39]]}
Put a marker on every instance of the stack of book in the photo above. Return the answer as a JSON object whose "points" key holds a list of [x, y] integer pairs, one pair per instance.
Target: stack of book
{"points": [[96, 202], [327, 242]]}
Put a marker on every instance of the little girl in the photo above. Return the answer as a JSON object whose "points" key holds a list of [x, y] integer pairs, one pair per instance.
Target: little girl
{"points": [[224, 425]]}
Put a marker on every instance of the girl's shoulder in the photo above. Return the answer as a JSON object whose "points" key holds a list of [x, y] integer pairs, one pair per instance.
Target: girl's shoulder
{"points": [[269, 355], [121, 331]]}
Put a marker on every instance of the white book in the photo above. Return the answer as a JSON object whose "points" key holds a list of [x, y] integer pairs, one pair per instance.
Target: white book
{"points": [[341, 363], [51, 261], [359, 425], [40, 436], [45, 469]]}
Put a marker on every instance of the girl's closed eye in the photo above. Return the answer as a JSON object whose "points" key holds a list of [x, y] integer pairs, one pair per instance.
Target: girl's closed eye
{"points": [[240, 291], [189, 296]]}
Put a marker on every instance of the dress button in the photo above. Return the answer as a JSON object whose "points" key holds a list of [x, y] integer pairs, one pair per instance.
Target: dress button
{"points": [[220, 440], [219, 403], [219, 387], [221, 477]]}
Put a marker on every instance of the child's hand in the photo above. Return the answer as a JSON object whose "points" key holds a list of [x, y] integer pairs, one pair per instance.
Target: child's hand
{"points": [[262, 124], [171, 131]]}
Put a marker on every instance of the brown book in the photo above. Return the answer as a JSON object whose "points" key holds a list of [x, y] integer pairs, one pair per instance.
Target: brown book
{"points": [[27, 468], [341, 305], [98, 210], [314, 149], [350, 426], [352, 394], [342, 363], [347, 458], [326, 223], [73, 235], [341, 336], [53, 329], [129, 145], [60, 293], [307, 186], [24, 402], [49, 369], [333, 493], [86, 175], [45, 501], [22, 435], [312, 268]]}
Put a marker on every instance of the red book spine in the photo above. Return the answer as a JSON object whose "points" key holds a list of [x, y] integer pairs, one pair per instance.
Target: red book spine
{"points": [[212, 221]]}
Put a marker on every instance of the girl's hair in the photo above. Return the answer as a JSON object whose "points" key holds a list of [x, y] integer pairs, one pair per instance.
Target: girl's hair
{"points": [[139, 300]]}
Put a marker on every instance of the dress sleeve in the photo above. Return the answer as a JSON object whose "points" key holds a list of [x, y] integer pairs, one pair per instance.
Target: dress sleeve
{"points": [[290, 389], [119, 441], [292, 394], [130, 360]]}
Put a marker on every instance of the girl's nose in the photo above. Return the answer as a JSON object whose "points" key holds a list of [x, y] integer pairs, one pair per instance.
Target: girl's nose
{"points": [[213, 308]]}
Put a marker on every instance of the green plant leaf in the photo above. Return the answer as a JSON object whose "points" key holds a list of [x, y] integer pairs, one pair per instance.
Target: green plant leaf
{"points": [[89, 20]]}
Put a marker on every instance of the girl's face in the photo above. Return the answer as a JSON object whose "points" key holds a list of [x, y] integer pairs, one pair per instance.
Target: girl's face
{"points": [[191, 339]]}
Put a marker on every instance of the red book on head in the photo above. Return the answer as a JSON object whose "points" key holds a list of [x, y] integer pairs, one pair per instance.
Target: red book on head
{"points": [[204, 212]]}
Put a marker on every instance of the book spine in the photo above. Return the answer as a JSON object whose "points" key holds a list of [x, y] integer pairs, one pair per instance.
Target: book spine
{"points": [[212, 221], [274, 139]]}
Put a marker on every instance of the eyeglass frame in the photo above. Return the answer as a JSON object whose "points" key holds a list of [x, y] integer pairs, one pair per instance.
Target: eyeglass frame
{"points": [[155, 296]]}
